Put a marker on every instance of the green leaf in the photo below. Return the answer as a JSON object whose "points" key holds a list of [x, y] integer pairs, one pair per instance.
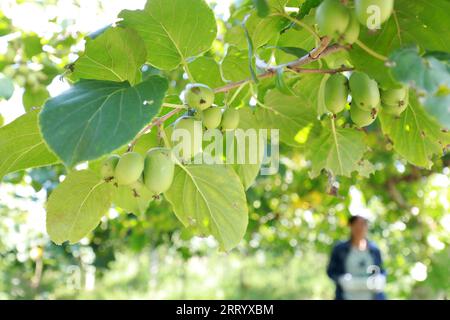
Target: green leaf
{"points": [[206, 70], [306, 7], [173, 30], [366, 168], [97, 33], [22, 146], [337, 150], [32, 45], [418, 24], [293, 51], [76, 206], [5, 25], [443, 56], [281, 85], [246, 162], [415, 135], [94, 118], [289, 114], [115, 55], [212, 199], [250, 55], [34, 98], [247, 173], [262, 30], [235, 65], [278, 5], [311, 88], [6, 87], [262, 7], [234, 68], [294, 44], [235, 36]]}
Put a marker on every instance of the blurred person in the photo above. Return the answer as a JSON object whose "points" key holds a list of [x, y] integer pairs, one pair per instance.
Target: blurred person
{"points": [[356, 266]]}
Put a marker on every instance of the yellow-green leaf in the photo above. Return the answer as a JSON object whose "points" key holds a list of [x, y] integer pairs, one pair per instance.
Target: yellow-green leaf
{"points": [[173, 30], [115, 55], [22, 146], [210, 198], [76, 206]]}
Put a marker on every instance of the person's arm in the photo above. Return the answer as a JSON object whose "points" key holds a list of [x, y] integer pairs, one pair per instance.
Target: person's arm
{"points": [[377, 282], [381, 265], [334, 269]]}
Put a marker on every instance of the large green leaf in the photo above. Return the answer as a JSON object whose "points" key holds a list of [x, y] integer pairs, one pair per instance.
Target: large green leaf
{"points": [[173, 30], [235, 65], [235, 36], [5, 25], [94, 118], [289, 114], [32, 45], [247, 157], [415, 135], [76, 206], [311, 89], [247, 173], [422, 23], [293, 38], [116, 55], [206, 70], [212, 199], [306, 7], [262, 30], [262, 7], [278, 5], [22, 146], [337, 150]]}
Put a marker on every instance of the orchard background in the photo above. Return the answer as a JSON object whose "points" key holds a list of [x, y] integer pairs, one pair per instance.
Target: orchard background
{"points": [[62, 62]]}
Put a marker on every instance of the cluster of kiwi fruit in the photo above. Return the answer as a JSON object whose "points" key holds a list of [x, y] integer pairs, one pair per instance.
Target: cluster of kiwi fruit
{"points": [[367, 98], [200, 98], [202, 114], [155, 171], [336, 20]]}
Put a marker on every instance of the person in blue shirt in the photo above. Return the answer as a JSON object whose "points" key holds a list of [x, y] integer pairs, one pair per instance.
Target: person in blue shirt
{"points": [[356, 266]]}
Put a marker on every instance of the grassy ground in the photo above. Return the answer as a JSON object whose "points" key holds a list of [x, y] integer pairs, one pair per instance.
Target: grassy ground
{"points": [[217, 276]]}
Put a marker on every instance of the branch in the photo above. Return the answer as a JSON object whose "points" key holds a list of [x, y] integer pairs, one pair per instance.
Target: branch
{"points": [[395, 194], [155, 123], [317, 53], [329, 71]]}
